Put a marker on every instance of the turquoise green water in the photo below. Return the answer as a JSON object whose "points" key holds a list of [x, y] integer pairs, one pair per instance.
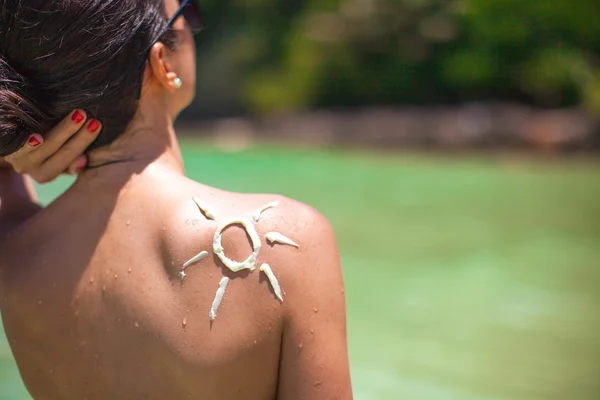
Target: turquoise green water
{"points": [[466, 279]]}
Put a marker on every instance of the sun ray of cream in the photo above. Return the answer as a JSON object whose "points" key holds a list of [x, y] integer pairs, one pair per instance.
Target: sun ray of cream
{"points": [[218, 298], [276, 237], [258, 214], [205, 210], [266, 268], [196, 259]]}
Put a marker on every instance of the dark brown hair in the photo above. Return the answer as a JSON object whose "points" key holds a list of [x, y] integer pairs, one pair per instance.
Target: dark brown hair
{"points": [[59, 55]]}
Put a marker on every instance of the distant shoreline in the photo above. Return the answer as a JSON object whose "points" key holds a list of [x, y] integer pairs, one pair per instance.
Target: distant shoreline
{"points": [[488, 127]]}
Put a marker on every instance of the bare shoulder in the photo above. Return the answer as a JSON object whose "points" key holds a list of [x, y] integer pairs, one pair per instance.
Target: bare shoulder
{"points": [[300, 238], [295, 241], [274, 217], [290, 217], [311, 271]]}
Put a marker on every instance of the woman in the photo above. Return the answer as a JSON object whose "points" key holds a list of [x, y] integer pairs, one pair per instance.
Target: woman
{"points": [[108, 293]]}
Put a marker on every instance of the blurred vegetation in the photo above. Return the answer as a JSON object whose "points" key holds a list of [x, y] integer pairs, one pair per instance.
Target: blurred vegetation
{"points": [[283, 55]]}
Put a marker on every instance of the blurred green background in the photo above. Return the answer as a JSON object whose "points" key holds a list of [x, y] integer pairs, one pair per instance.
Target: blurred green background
{"points": [[472, 276], [265, 56], [467, 278]]}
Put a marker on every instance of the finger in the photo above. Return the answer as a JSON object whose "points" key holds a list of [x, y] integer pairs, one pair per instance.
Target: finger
{"points": [[33, 142], [61, 133], [18, 159], [76, 146], [71, 152], [78, 165]]}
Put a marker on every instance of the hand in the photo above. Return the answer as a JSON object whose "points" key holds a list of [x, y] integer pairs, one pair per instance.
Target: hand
{"points": [[60, 152]]}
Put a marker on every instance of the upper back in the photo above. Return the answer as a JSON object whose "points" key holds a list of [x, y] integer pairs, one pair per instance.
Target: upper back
{"points": [[95, 303]]}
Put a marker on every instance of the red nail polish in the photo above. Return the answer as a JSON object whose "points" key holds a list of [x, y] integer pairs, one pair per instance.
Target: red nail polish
{"points": [[93, 126], [34, 141], [77, 117], [81, 165]]}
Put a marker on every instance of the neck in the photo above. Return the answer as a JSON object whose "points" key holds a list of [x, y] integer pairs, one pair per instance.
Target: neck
{"points": [[149, 139]]}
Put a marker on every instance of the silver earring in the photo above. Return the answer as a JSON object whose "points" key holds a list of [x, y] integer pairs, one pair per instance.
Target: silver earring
{"points": [[178, 84]]}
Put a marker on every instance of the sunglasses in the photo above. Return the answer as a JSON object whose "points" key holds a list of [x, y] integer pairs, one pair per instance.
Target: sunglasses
{"points": [[188, 9]]}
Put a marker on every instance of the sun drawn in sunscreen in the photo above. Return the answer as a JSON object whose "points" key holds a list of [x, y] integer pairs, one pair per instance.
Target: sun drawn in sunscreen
{"points": [[249, 225]]}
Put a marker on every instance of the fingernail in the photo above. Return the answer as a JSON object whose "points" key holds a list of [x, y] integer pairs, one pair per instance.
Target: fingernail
{"points": [[82, 164], [78, 165], [34, 141], [78, 117], [93, 126]]}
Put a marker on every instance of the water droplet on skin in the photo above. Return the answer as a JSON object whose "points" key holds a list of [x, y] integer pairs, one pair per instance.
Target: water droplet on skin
{"points": [[116, 276], [184, 323], [137, 324], [128, 223], [104, 288], [343, 291], [91, 280], [315, 310], [301, 345], [129, 270], [312, 331], [210, 275], [255, 342]]}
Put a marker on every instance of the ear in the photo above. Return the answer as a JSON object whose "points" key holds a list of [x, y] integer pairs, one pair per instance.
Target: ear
{"points": [[161, 69]]}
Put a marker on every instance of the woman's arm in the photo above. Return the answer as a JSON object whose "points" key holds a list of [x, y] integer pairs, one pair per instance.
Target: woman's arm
{"points": [[44, 159], [20, 184], [17, 199], [314, 354]]}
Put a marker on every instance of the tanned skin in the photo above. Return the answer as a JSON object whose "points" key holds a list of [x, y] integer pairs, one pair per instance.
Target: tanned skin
{"points": [[90, 292]]}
